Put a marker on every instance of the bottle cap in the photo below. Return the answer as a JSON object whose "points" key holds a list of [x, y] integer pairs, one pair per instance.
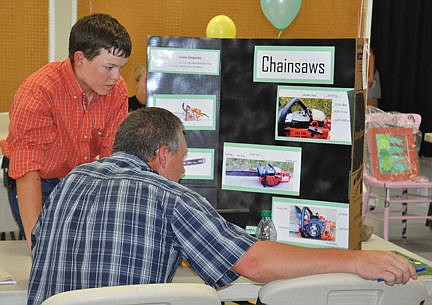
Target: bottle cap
{"points": [[266, 213]]}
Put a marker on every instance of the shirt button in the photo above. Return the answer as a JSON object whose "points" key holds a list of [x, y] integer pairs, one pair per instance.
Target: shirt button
{"points": [[85, 137], [85, 158]]}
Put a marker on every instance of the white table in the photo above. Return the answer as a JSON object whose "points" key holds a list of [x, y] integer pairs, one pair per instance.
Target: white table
{"points": [[14, 258], [378, 243]]}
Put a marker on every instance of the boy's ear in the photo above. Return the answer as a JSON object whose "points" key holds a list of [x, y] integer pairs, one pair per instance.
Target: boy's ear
{"points": [[79, 57]]}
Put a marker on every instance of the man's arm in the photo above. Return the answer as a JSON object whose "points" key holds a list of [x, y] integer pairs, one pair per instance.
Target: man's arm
{"points": [[267, 261], [29, 193]]}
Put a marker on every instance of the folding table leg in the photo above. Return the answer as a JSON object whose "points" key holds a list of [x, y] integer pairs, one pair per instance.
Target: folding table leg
{"points": [[404, 213], [428, 221], [386, 213]]}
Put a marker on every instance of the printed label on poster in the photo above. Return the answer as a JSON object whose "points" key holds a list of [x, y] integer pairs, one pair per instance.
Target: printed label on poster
{"points": [[294, 64], [186, 61]]}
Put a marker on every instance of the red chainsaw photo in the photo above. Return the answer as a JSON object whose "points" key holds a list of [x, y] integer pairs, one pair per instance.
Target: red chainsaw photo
{"points": [[297, 119]]}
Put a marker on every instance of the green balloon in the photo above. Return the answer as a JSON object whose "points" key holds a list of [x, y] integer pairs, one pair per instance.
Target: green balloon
{"points": [[280, 13]]}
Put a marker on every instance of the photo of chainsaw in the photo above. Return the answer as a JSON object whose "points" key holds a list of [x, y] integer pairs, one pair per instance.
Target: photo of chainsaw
{"points": [[313, 225], [296, 119], [269, 176], [193, 113]]}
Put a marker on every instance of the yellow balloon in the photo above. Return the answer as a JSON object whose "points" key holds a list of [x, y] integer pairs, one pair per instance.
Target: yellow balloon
{"points": [[221, 26]]}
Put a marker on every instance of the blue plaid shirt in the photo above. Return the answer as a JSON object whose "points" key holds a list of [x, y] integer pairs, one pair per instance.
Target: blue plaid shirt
{"points": [[117, 222]]}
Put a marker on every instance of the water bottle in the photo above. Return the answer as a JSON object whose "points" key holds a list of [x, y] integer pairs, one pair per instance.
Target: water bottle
{"points": [[266, 229]]}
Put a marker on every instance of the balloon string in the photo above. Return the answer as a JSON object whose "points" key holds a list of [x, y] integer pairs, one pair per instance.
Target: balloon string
{"points": [[280, 33]]}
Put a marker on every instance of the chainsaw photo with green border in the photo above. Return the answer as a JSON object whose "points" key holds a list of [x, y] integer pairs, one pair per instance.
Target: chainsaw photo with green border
{"points": [[311, 223], [304, 118], [261, 168], [196, 111], [313, 114]]}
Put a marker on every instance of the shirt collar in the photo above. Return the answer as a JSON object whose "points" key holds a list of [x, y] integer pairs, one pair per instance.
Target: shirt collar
{"points": [[71, 83], [133, 160]]}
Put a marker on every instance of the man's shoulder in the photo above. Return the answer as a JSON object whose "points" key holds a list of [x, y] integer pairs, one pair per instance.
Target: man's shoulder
{"points": [[130, 169], [119, 165]]}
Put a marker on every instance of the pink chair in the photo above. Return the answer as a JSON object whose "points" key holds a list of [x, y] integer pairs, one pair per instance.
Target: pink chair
{"points": [[396, 190]]}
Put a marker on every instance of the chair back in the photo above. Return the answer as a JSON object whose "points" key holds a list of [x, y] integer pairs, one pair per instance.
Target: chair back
{"points": [[338, 289], [396, 119], [154, 294]]}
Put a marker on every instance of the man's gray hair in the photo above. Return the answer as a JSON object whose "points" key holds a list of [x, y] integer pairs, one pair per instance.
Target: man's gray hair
{"points": [[145, 130]]}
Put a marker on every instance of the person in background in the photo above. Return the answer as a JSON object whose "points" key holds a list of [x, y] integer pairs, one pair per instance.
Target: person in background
{"points": [[66, 114], [374, 83], [125, 219], [139, 99]]}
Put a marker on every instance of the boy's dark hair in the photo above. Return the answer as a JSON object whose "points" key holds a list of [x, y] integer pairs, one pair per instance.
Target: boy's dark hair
{"points": [[94, 32]]}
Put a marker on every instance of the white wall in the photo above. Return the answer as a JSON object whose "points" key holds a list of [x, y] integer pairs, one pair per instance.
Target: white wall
{"points": [[7, 223], [62, 15]]}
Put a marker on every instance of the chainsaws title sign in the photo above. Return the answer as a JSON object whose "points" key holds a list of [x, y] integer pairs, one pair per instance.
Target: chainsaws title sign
{"points": [[294, 64]]}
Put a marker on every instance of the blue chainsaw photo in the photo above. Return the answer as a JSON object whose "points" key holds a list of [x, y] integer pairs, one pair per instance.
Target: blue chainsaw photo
{"points": [[314, 225]]}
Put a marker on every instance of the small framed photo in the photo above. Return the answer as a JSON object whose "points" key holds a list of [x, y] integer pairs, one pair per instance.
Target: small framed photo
{"points": [[393, 153], [199, 164]]}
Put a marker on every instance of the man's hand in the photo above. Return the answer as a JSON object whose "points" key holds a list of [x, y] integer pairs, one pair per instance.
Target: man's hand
{"points": [[389, 266]]}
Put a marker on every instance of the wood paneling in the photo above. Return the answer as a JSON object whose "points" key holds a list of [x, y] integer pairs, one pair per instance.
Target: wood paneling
{"points": [[24, 34], [24, 26], [316, 19]]}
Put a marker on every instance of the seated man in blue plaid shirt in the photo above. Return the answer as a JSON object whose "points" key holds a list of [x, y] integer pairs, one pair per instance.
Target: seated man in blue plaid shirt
{"points": [[125, 220]]}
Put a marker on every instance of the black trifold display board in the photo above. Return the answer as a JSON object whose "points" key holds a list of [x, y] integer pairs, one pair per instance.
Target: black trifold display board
{"points": [[245, 113]]}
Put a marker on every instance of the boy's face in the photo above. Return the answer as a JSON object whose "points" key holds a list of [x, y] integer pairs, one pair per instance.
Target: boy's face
{"points": [[99, 74]]}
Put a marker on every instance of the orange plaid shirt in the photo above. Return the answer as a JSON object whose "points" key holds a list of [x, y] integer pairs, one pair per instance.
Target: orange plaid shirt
{"points": [[53, 128]]}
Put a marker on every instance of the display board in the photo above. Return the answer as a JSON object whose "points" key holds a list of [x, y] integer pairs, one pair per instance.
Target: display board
{"points": [[270, 124]]}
